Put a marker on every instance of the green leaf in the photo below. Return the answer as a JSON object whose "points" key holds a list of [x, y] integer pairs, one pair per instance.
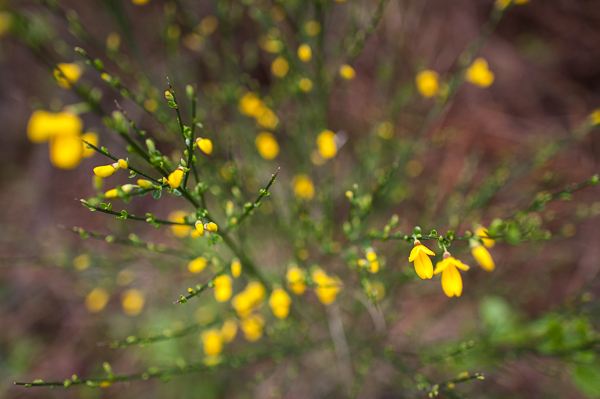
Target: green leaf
{"points": [[586, 378], [156, 194]]}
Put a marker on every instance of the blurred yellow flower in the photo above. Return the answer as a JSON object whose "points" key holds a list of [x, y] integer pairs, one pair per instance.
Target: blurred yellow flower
{"points": [[132, 301], [197, 265], [327, 287], [150, 105], [208, 25], [304, 52], [483, 233], [179, 230], [451, 279], [249, 299], [106, 170], [295, 280], [96, 300], [479, 74], [385, 130], [113, 41], [113, 193], [268, 119], [222, 288], [280, 67], [347, 72], [326, 144], [91, 138], [305, 84], [139, 2], [213, 342], [229, 330], [251, 105], [303, 187], [376, 288], [482, 256], [70, 74], [267, 145], [236, 268], [81, 262], [312, 28], [212, 227], [427, 82], [66, 151], [423, 265], [595, 117], [280, 303], [43, 125], [205, 145], [252, 326], [270, 44], [176, 177]]}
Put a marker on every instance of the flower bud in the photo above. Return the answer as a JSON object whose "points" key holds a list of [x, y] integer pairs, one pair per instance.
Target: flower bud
{"points": [[106, 170], [212, 227], [205, 145], [200, 227], [145, 184], [123, 163], [175, 178]]}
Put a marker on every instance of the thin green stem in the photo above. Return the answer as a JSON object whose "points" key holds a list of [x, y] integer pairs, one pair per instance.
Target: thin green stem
{"points": [[263, 193]]}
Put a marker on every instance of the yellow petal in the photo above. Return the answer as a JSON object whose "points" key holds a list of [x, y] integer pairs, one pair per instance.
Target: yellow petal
{"points": [[423, 266], [452, 282], [66, 151], [483, 257]]}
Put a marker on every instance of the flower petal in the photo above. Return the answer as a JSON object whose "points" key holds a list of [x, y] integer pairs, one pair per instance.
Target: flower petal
{"points": [[413, 254], [423, 266], [452, 282], [427, 250]]}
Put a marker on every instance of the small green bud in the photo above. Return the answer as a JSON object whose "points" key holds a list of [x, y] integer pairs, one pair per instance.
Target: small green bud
{"points": [[417, 230], [594, 180], [169, 96], [189, 90]]}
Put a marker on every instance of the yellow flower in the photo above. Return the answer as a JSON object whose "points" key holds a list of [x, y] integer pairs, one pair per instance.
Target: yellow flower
{"points": [[347, 72], [222, 288], [305, 84], [280, 67], [236, 268], [123, 163], [96, 300], [150, 105], [139, 2], [326, 144], [179, 230], [249, 300], [205, 145], [595, 117], [114, 193], [132, 301], [105, 384], [482, 256], [43, 125], [483, 233], [66, 151], [70, 74], [197, 265], [229, 330], [251, 105], [91, 138], [145, 184], [373, 266], [423, 265], [427, 82], [199, 228], [479, 74], [268, 119], [295, 280], [208, 25], [81, 262], [280, 303], [312, 28], [267, 145], [175, 178], [303, 187], [212, 227], [106, 170], [252, 327], [327, 287], [213, 342], [451, 280], [304, 52], [371, 255], [270, 44]]}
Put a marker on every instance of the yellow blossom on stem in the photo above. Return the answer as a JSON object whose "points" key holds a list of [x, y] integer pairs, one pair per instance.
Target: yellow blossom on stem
{"points": [[222, 288], [280, 303], [114, 193], [326, 144], [205, 145], [420, 255], [212, 227], [303, 187], [252, 326], [427, 82], [70, 74], [229, 330], [145, 184], [267, 145], [132, 301], [197, 265], [327, 287], [479, 74], [199, 228], [483, 233], [179, 230], [176, 177], [106, 170], [451, 279], [236, 268], [482, 256], [213, 342], [249, 299], [295, 280]]}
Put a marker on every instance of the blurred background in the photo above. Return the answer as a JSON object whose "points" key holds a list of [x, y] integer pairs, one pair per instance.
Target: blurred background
{"points": [[484, 154]]}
